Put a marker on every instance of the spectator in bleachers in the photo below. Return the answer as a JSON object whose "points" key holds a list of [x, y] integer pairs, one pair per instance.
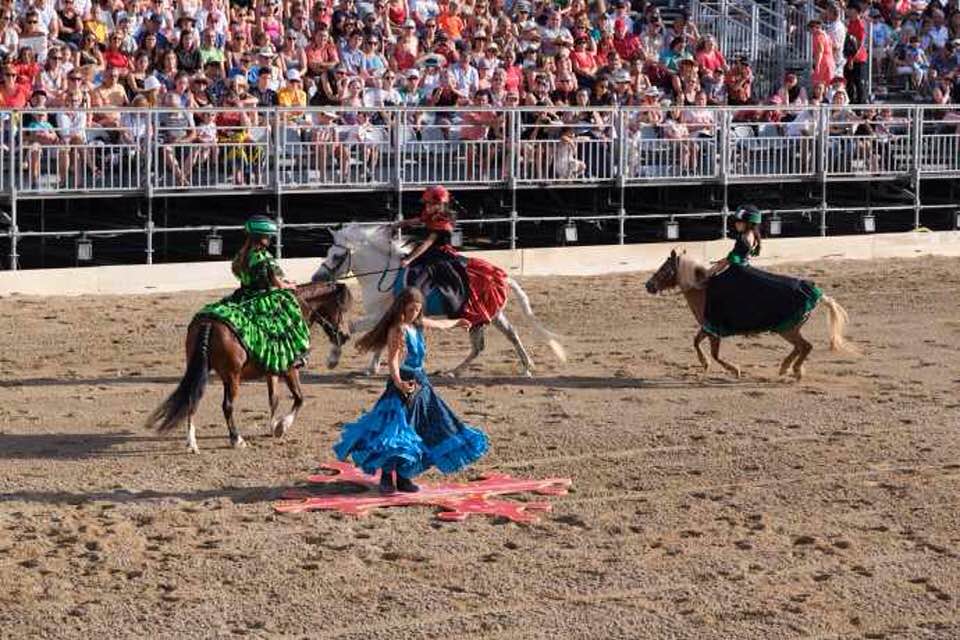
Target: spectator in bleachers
{"points": [[13, 94], [855, 68], [823, 61], [836, 29]]}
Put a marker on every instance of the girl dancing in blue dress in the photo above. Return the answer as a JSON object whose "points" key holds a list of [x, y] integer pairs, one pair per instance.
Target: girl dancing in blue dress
{"points": [[410, 428]]}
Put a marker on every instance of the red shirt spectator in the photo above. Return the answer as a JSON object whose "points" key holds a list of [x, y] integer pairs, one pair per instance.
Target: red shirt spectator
{"points": [[711, 60], [857, 29], [627, 44], [403, 59], [116, 58], [514, 77], [13, 94]]}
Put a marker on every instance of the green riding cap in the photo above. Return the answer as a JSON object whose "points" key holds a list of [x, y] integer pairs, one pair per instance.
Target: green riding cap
{"points": [[260, 226], [749, 213]]}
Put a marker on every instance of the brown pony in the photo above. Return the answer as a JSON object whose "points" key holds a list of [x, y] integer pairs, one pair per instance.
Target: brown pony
{"points": [[679, 271], [211, 344]]}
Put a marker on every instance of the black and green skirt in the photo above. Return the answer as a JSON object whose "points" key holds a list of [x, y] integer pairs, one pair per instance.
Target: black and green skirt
{"points": [[743, 299], [268, 323]]}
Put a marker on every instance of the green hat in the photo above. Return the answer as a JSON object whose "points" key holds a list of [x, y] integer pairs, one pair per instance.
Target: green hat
{"points": [[749, 213], [260, 226]]}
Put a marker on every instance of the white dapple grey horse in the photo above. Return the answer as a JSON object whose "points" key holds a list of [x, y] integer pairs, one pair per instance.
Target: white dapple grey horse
{"points": [[373, 255]]}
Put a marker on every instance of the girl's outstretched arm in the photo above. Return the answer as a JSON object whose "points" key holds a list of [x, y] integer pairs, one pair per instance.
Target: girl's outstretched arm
{"points": [[433, 323]]}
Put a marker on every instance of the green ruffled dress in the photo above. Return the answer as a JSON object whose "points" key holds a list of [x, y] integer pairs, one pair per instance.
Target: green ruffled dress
{"points": [[266, 320], [743, 299]]}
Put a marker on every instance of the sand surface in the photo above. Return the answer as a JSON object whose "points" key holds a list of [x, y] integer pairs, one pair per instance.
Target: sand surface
{"points": [[703, 507]]}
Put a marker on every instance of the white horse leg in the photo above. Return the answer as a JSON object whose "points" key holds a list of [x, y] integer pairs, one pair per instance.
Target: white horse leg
{"points": [[500, 322], [373, 368], [192, 436], [477, 344]]}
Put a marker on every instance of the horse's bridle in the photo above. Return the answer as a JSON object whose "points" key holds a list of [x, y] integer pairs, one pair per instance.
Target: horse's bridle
{"points": [[332, 329], [346, 263], [347, 259]]}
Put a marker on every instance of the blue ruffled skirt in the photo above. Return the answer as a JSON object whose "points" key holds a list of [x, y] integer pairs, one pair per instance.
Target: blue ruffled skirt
{"points": [[411, 435]]}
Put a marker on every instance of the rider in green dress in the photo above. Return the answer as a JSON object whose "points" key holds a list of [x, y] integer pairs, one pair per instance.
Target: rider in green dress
{"points": [[264, 312]]}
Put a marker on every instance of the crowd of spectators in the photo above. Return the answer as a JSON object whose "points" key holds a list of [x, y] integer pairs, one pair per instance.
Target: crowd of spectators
{"points": [[186, 55]]}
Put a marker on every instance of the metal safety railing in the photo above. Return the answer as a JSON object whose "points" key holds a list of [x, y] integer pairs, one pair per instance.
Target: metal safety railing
{"points": [[175, 153], [202, 152]]}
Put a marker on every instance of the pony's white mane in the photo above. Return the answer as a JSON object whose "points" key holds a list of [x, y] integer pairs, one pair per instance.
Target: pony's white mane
{"points": [[355, 236], [690, 273]]}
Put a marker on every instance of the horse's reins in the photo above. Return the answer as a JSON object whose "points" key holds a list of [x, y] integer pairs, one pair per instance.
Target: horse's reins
{"points": [[348, 259]]}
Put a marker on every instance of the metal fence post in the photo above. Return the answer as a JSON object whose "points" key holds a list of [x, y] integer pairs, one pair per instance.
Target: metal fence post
{"points": [[14, 224], [146, 182], [918, 117], [276, 132], [150, 228], [621, 153], [399, 158], [512, 180], [724, 132], [824, 130], [869, 29]]}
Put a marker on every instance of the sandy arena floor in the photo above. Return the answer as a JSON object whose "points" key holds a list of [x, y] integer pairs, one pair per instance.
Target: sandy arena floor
{"points": [[703, 507]]}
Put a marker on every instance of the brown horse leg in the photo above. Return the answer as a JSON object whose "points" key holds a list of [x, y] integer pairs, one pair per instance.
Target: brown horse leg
{"points": [[715, 352], [805, 349], [231, 387], [696, 346], [292, 378], [793, 337], [274, 401]]}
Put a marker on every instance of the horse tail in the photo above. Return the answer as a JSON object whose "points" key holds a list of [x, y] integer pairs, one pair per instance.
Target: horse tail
{"points": [[552, 338], [838, 319], [184, 400]]}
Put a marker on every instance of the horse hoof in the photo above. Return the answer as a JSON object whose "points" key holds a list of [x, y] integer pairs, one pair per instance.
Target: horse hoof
{"points": [[281, 428], [239, 443], [193, 448], [528, 373]]}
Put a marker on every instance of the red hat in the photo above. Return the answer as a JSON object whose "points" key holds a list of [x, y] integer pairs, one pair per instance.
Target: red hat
{"points": [[436, 194]]}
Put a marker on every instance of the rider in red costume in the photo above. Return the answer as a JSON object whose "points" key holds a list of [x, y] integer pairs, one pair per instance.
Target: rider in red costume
{"points": [[436, 220], [470, 288]]}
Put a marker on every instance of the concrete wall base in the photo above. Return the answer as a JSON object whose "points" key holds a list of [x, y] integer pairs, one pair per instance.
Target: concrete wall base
{"points": [[560, 261]]}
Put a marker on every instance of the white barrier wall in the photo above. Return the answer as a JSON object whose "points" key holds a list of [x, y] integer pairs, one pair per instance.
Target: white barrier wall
{"points": [[560, 261]]}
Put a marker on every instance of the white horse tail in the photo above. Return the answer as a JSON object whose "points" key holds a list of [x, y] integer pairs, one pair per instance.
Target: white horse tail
{"points": [[838, 319], [552, 338]]}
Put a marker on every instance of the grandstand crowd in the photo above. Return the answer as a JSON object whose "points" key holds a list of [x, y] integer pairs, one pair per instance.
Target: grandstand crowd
{"points": [[72, 57]]}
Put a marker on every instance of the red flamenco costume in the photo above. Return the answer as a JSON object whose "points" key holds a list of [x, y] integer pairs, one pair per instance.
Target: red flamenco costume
{"points": [[453, 285]]}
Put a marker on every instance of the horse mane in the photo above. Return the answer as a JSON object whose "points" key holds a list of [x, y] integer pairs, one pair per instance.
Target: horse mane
{"points": [[378, 236], [310, 293], [690, 273]]}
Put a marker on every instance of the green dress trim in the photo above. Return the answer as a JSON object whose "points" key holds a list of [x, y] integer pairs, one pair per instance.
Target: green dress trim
{"points": [[267, 320]]}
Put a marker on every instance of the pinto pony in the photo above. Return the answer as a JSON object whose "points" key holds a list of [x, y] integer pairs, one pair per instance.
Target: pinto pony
{"points": [[211, 344], [679, 271]]}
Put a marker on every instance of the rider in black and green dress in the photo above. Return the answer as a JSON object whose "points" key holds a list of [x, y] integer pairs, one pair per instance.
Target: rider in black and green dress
{"points": [[744, 299], [264, 312]]}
